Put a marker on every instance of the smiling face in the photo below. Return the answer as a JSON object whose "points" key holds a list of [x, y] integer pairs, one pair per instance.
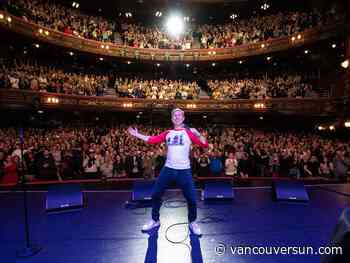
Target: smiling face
{"points": [[9, 159], [178, 118]]}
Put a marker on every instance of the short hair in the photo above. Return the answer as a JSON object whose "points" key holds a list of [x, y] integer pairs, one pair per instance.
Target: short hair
{"points": [[177, 109]]}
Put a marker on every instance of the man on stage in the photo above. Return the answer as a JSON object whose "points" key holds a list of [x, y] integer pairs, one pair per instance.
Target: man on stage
{"points": [[177, 167]]}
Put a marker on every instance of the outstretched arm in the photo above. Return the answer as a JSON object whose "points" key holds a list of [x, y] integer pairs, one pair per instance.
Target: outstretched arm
{"points": [[134, 132], [197, 138], [149, 139]]}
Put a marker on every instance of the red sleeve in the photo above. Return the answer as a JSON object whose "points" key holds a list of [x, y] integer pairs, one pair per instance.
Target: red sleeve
{"points": [[196, 140], [157, 138]]}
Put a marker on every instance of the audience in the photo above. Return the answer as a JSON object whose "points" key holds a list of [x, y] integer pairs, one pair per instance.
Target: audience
{"points": [[40, 78], [261, 88], [241, 31], [110, 152], [30, 76], [68, 20], [162, 89]]}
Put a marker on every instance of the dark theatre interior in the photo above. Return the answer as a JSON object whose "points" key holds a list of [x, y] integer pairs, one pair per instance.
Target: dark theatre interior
{"points": [[183, 131]]}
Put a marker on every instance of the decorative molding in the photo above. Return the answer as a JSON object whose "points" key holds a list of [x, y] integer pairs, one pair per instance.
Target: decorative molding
{"points": [[10, 98]]}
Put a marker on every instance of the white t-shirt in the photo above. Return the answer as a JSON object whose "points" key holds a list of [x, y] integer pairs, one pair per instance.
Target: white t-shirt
{"points": [[178, 143]]}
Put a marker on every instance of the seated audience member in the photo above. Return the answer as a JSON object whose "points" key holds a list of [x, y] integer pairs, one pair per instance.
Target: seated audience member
{"points": [[10, 171], [231, 164], [46, 166], [91, 166]]}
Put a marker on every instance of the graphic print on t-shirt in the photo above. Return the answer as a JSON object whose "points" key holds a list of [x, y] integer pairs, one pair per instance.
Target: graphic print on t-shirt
{"points": [[175, 140]]}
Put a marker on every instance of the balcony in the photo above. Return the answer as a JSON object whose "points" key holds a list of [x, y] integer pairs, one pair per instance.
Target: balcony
{"points": [[20, 99], [47, 35]]}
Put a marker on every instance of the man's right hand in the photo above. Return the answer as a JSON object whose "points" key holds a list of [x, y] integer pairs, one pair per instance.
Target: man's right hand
{"points": [[133, 131]]}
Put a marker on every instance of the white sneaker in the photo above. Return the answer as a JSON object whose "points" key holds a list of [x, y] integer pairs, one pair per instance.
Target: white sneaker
{"points": [[194, 227], [150, 225]]}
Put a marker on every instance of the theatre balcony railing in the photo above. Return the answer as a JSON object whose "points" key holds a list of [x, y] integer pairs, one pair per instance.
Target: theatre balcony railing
{"points": [[29, 100], [74, 42]]}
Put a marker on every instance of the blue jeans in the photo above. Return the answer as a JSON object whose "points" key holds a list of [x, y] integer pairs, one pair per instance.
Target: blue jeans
{"points": [[183, 179]]}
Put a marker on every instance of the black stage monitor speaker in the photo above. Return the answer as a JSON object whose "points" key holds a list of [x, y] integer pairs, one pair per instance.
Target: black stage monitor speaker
{"points": [[142, 191], [340, 241], [290, 191], [217, 190], [64, 197]]}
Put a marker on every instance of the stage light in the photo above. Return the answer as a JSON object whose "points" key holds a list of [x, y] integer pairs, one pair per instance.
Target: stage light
{"points": [[101, 59], [187, 65], [128, 14], [40, 31], [191, 106], [158, 14], [334, 45], [129, 62], [347, 124], [158, 65], [9, 19], [299, 36], [213, 64], [320, 128], [37, 45], [259, 106], [332, 128], [345, 63], [233, 16], [268, 58], [240, 62], [52, 100], [1, 16], [127, 105], [71, 53], [262, 45], [175, 25], [293, 38], [307, 51], [261, 118], [186, 18], [47, 33], [265, 6]]}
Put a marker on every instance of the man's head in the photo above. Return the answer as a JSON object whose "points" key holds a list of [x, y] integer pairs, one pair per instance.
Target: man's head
{"points": [[177, 117], [46, 152]]}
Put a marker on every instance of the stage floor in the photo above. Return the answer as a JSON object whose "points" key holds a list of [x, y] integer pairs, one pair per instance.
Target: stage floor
{"points": [[106, 232]]}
